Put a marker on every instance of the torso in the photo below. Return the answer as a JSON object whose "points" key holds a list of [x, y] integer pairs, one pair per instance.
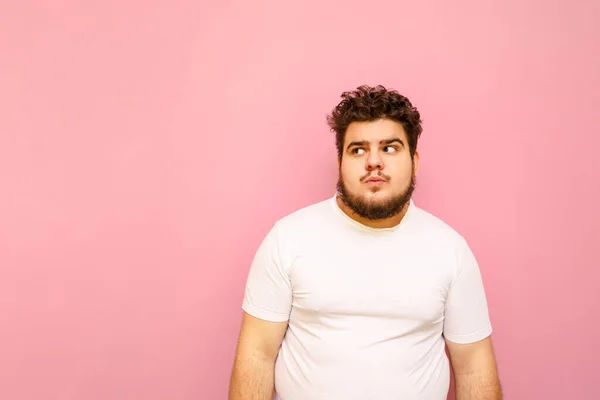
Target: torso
{"points": [[368, 308]]}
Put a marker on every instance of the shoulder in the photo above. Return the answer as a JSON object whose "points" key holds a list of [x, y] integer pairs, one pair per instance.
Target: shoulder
{"points": [[440, 241], [434, 230], [297, 231], [306, 218]]}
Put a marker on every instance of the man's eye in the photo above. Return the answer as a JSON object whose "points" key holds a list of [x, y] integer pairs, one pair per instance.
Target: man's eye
{"points": [[358, 151], [389, 149]]}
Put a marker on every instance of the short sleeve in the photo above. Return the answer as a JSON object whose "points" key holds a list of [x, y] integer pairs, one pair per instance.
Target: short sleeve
{"points": [[268, 293], [466, 316]]}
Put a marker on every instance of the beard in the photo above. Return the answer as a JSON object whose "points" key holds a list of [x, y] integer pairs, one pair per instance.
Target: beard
{"points": [[376, 210]]}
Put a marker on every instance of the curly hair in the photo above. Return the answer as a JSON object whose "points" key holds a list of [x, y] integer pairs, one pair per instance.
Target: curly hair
{"points": [[370, 104]]}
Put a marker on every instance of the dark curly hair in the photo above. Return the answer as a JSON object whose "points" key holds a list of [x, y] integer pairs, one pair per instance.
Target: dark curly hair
{"points": [[370, 104]]}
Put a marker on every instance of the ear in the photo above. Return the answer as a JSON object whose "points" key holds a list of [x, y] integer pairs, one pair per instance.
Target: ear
{"points": [[416, 159]]}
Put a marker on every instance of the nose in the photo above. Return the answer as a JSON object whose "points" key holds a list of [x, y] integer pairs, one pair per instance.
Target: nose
{"points": [[374, 161]]}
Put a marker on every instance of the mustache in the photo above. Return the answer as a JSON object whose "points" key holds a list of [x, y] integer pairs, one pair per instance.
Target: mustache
{"points": [[379, 175]]}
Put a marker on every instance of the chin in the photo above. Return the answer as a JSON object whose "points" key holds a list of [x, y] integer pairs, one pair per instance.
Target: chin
{"points": [[377, 194], [377, 198]]}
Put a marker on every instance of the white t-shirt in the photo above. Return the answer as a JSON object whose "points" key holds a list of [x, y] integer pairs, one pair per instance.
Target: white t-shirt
{"points": [[368, 309]]}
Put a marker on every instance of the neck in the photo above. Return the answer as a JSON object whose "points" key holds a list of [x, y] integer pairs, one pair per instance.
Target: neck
{"points": [[378, 223]]}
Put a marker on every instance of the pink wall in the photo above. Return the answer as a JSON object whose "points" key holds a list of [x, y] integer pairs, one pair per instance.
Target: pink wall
{"points": [[146, 148]]}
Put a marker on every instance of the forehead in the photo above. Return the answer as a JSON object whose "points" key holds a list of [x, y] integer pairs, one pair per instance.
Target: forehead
{"points": [[374, 131]]}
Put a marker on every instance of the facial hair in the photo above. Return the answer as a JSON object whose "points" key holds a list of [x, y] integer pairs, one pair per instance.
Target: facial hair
{"points": [[376, 210]]}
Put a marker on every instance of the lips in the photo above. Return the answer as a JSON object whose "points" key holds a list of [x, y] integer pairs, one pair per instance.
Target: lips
{"points": [[375, 179], [375, 182]]}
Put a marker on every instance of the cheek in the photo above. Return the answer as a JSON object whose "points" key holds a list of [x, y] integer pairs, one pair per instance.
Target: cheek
{"points": [[352, 171], [400, 171]]}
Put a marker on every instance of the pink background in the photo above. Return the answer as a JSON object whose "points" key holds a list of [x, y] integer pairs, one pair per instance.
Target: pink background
{"points": [[147, 147]]}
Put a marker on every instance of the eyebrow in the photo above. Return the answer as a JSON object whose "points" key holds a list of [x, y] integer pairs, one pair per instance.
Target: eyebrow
{"points": [[364, 142]]}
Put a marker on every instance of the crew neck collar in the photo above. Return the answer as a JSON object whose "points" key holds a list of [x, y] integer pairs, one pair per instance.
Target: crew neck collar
{"points": [[359, 225]]}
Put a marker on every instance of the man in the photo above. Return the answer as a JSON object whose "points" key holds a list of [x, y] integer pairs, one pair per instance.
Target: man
{"points": [[358, 296]]}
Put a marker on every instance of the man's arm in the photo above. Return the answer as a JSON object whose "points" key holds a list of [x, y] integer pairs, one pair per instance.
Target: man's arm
{"points": [[475, 370], [253, 370]]}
